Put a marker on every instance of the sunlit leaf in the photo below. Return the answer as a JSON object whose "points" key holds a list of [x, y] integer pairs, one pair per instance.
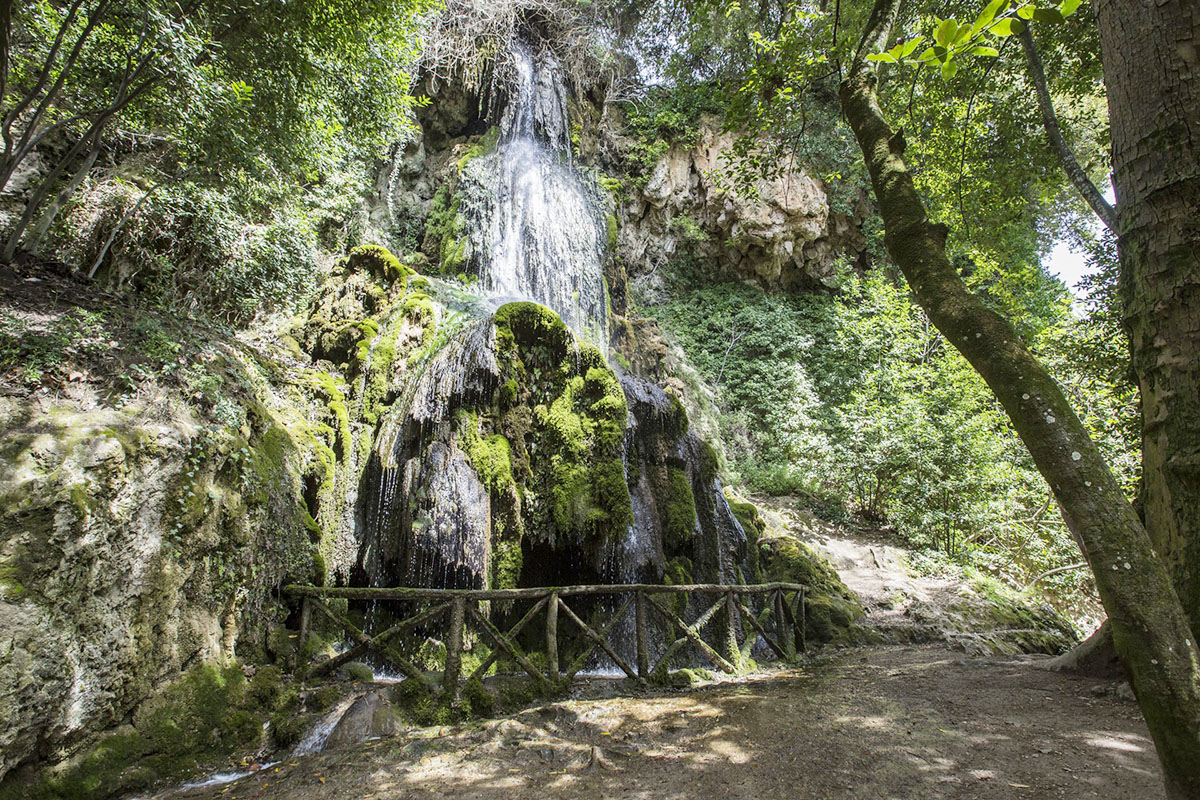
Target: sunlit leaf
{"points": [[1007, 27], [945, 32], [910, 46]]}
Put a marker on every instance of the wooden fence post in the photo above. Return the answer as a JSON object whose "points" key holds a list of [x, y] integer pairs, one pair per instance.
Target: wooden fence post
{"points": [[643, 654], [787, 631], [731, 643], [803, 603], [458, 615], [552, 638]]}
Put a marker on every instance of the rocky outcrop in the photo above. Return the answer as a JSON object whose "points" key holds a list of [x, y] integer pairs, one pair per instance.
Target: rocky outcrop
{"points": [[132, 545], [519, 458], [780, 234], [142, 536]]}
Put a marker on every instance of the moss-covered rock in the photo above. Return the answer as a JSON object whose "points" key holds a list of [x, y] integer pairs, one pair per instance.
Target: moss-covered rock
{"points": [[832, 611], [206, 716]]}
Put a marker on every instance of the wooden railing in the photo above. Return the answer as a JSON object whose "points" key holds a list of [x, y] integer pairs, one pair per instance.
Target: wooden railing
{"points": [[740, 615]]}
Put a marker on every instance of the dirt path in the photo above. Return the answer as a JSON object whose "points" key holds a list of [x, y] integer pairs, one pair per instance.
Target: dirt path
{"points": [[897, 722]]}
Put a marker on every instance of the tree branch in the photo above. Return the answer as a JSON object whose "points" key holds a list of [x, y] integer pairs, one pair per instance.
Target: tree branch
{"points": [[1058, 143]]}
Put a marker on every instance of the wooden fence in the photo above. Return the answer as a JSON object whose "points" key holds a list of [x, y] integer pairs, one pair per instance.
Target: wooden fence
{"points": [[778, 620]]}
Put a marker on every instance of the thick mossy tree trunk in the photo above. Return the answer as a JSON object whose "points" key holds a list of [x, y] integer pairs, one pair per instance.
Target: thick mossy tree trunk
{"points": [[1151, 57], [1150, 629]]}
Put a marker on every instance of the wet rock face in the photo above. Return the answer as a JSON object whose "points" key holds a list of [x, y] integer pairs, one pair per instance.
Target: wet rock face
{"points": [[369, 717], [448, 543], [521, 458], [683, 527], [128, 548], [785, 238]]}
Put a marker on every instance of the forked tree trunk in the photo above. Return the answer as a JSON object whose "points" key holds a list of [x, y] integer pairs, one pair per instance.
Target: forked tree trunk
{"points": [[1150, 629], [1151, 56]]}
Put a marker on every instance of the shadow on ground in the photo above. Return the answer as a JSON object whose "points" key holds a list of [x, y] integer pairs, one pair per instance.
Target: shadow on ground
{"points": [[879, 723]]}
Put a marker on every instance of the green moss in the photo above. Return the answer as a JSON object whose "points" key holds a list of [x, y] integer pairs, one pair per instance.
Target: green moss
{"points": [[507, 562], [584, 427], [610, 222], [379, 262], [478, 699], [445, 232], [508, 393], [490, 457], [679, 510], [710, 463], [832, 610], [754, 527], [679, 423], [11, 585], [678, 572], [531, 325], [417, 306], [319, 568], [203, 718], [336, 403], [483, 146], [379, 374], [614, 186], [360, 672]]}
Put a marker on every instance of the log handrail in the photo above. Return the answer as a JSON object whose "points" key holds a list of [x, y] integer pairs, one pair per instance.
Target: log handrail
{"points": [[731, 611], [534, 593]]}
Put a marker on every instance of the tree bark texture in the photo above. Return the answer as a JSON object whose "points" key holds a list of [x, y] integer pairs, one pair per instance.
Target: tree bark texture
{"points": [[1150, 629], [1151, 57]]}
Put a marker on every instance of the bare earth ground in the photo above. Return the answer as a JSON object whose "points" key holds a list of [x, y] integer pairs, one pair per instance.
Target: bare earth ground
{"points": [[884, 722], [916, 721]]}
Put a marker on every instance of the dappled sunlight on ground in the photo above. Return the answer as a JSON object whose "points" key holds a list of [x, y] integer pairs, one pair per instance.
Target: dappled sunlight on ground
{"points": [[878, 723]]}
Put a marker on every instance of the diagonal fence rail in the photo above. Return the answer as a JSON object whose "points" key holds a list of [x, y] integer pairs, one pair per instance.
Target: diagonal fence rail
{"points": [[729, 622]]}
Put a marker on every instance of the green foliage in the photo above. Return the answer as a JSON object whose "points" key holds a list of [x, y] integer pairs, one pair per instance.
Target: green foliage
{"points": [[38, 351], [855, 399], [666, 117], [259, 123], [955, 42]]}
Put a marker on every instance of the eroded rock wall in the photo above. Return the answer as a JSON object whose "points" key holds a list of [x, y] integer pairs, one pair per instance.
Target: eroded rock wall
{"points": [[134, 542], [778, 232]]}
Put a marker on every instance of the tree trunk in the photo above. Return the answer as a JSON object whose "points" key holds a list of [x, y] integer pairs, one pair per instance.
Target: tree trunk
{"points": [[34, 240], [1149, 627], [1151, 57]]}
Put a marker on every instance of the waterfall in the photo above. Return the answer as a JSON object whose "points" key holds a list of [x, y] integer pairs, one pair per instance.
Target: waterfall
{"points": [[535, 223], [435, 511]]}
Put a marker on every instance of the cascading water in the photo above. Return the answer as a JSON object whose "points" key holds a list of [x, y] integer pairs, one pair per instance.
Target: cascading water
{"points": [[537, 227], [521, 459]]}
